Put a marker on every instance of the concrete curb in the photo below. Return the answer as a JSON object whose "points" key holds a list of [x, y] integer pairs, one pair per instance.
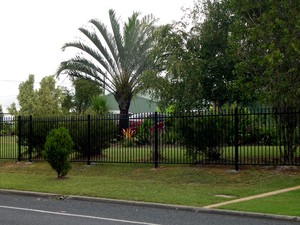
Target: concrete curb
{"points": [[157, 205]]}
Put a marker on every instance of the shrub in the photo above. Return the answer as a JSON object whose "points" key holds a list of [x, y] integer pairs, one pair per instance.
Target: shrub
{"points": [[143, 132], [58, 147], [170, 136], [93, 141], [40, 128], [171, 133], [203, 134], [102, 131]]}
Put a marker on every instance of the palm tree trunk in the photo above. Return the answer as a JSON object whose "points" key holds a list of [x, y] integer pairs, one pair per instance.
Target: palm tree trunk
{"points": [[124, 119], [124, 104]]}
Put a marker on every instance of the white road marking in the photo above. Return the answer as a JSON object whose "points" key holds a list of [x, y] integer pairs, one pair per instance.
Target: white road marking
{"points": [[76, 215]]}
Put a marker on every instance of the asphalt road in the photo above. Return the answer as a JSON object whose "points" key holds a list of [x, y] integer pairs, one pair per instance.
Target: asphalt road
{"points": [[18, 209]]}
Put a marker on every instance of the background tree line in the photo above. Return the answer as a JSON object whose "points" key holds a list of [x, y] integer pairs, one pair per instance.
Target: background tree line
{"points": [[52, 100], [230, 51], [222, 52]]}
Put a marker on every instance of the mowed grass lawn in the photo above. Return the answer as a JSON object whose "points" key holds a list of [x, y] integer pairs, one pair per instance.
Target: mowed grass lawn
{"points": [[171, 184], [283, 204]]}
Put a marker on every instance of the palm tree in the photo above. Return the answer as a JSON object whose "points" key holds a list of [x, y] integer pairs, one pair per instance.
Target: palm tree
{"points": [[114, 60]]}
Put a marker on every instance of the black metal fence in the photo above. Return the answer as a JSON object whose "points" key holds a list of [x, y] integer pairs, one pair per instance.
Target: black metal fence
{"points": [[236, 137]]}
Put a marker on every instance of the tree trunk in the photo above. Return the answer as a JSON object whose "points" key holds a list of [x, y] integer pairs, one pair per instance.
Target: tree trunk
{"points": [[123, 119], [124, 103], [289, 121]]}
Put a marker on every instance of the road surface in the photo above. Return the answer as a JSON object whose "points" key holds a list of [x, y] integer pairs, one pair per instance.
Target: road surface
{"points": [[36, 210]]}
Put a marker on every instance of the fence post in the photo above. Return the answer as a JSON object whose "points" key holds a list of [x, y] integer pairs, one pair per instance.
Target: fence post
{"points": [[89, 140], [236, 138], [30, 138], [19, 138], [155, 141]]}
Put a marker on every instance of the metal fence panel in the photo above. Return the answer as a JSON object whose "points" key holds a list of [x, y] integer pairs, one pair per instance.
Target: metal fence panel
{"points": [[233, 137]]}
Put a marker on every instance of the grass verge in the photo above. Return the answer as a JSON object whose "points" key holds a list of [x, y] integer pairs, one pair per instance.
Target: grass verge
{"points": [[282, 204], [172, 184]]}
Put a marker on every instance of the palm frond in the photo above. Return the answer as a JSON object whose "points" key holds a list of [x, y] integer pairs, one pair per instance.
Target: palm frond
{"points": [[115, 25], [109, 41], [93, 37], [90, 51], [138, 42], [85, 68]]}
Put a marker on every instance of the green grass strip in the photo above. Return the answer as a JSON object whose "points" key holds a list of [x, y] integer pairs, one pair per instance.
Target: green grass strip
{"points": [[183, 185], [283, 204]]}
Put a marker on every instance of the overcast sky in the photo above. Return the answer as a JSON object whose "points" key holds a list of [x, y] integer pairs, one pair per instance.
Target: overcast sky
{"points": [[33, 32]]}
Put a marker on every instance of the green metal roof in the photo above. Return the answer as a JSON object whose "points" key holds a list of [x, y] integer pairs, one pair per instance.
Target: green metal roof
{"points": [[138, 104]]}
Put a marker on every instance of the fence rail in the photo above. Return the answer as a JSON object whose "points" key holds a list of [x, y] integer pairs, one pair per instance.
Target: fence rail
{"points": [[237, 137]]}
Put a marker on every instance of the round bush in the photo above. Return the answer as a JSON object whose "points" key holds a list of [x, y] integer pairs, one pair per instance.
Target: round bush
{"points": [[58, 147]]}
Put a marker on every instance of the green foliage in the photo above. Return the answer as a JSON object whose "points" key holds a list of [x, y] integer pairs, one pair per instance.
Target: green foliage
{"points": [[58, 147], [195, 66], [102, 131], [236, 51], [12, 109], [35, 135], [85, 90], [265, 36], [98, 105], [177, 71], [170, 136], [203, 134], [26, 98], [288, 124], [7, 128], [171, 133], [46, 100], [266, 127], [143, 132], [67, 104], [210, 41], [254, 126]]}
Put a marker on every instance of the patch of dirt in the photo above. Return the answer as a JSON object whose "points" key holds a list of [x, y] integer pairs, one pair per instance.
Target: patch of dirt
{"points": [[11, 165], [230, 169], [225, 196]]}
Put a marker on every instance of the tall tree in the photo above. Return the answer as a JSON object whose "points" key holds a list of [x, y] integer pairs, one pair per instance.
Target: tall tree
{"points": [[115, 60], [210, 38], [81, 99], [26, 98], [85, 90], [68, 103], [197, 66], [266, 38], [46, 100], [175, 80], [48, 97]]}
